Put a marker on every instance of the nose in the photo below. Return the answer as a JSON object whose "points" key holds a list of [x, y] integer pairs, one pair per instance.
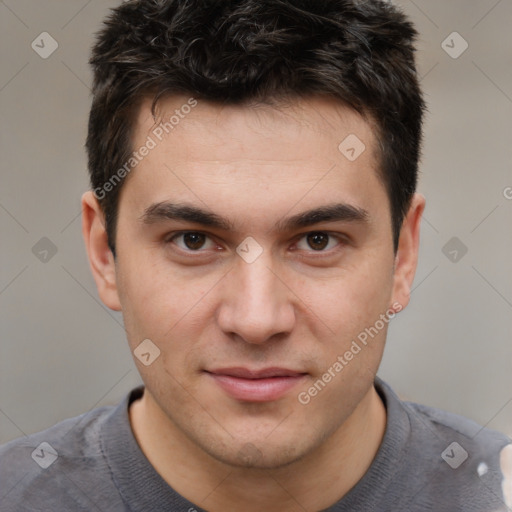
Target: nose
{"points": [[257, 305]]}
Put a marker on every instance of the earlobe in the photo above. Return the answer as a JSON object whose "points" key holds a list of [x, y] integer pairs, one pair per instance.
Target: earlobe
{"points": [[100, 256], [406, 258]]}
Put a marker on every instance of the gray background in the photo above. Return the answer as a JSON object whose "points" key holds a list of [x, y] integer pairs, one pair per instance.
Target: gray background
{"points": [[63, 352]]}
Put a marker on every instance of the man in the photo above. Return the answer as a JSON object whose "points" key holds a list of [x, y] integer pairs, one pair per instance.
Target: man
{"points": [[253, 214]]}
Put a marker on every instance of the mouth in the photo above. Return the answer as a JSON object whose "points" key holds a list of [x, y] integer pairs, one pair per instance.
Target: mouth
{"points": [[264, 385]]}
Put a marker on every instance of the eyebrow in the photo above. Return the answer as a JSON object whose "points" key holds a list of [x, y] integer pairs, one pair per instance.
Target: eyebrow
{"points": [[339, 212], [160, 212]]}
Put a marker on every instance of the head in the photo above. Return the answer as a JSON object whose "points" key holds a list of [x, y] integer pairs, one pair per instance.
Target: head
{"points": [[283, 138]]}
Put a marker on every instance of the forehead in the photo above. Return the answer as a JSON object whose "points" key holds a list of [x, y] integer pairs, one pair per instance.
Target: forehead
{"points": [[315, 151], [221, 130]]}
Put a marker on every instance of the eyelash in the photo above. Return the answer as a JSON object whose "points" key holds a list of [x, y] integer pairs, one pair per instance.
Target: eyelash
{"points": [[340, 239]]}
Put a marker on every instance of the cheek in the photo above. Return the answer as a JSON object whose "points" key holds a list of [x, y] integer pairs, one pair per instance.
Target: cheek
{"points": [[352, 301], [147, 304], [163, 304]]}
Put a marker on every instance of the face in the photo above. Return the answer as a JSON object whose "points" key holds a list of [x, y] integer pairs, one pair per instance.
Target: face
{"points": [[254, 253]]}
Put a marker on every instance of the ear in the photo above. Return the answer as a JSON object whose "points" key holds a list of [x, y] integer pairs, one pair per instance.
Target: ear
{"points": [[100, 256], [406, 258]]}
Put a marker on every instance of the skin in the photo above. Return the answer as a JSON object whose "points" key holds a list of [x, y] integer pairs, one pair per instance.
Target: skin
{"points": [[294, 307]]}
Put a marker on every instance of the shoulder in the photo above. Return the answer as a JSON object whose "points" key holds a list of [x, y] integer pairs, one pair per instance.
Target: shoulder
{"points": [[478, 438], [479, 454], [49, 469], [451, 462]]}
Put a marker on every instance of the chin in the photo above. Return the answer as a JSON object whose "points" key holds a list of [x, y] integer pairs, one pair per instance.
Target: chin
{"points": [[257, 453]]}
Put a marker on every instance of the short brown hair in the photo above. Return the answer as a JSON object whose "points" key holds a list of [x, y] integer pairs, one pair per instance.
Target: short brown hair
{"points": [[234, 51]]}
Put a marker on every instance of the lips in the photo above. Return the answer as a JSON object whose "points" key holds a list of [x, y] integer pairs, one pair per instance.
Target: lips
{"points": [[264, 385]]}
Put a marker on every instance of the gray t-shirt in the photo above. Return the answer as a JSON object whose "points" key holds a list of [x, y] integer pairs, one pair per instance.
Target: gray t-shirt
{"points": [[428, 460]]}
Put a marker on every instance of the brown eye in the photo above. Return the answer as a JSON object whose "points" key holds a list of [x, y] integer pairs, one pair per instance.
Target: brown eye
{"points": [[194, 241], [318, 241], [191, 241]]}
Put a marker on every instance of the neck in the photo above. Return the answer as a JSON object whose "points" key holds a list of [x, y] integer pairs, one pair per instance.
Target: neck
{"points": [[313, 483]]}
